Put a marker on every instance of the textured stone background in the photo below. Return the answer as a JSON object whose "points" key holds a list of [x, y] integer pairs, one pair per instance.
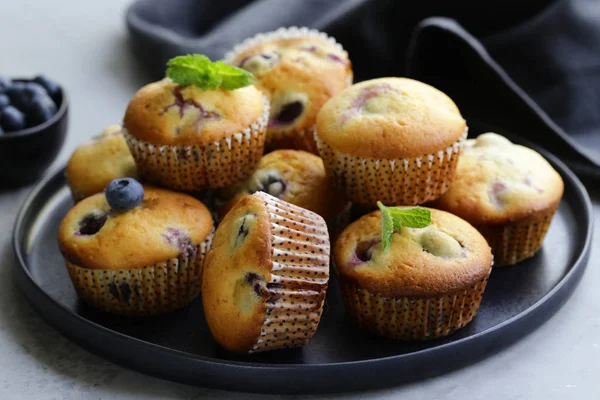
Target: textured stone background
{"points": [[82, 44]]}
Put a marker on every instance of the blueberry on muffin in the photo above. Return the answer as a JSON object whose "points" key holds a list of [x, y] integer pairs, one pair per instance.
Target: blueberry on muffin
{"points": [[136, 251], [299, 70], [265, 276], [94, 164], [508, 192]]}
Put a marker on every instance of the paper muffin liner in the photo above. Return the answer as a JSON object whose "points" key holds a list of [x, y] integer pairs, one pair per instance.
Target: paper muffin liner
{"points": [[517, 241], [411, 318], [299, 276], [192, 168], [150, 290], [402, 181]]}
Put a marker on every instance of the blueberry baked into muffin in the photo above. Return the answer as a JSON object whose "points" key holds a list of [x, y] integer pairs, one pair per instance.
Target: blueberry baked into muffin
{"points": [[136, 250], [508, 192], [94, 164], [265, 277], [395, 140], [426, 285], [299, 70], [198, 136], [295, 176]]}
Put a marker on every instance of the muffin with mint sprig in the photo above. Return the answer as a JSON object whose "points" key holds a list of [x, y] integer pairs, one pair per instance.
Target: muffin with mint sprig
{"points": [[299, 69], [412, 273], [94, 164], [135, 250], [201, 127]]}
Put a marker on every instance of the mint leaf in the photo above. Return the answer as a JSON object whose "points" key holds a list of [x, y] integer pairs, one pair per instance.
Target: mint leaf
{"points": [[232, 77], [394, 218], [415, 217], [198, 70], [387, 226]]}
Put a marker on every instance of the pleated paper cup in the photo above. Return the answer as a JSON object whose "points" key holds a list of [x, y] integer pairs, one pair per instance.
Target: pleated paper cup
{"points": [[402, 181], [299, 276], [293, 139], [517, 241], [411, 318], [150, 290], [193, 168]]}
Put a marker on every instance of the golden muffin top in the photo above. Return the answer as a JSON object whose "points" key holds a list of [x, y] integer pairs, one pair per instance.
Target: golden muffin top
{"points": [[390, 118], [447, 256], [94, 164], [298, 70], [295, 176], [164, 225], [165, 113], [497, 181]]}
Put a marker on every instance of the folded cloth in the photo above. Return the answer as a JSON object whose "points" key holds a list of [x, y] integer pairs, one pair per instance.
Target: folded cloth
{"points": [[531, 68]]}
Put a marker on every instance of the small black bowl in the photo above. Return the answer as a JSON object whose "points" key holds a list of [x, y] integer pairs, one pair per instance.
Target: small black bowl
{"points": [[26, 154]]}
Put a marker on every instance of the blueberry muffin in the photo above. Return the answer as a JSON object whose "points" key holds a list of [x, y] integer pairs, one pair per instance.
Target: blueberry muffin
{"points": [[295, 176], [428, 284], [143, 261], [299, 70], [265, 276], [94, 164], [186, 138], [396, 140], [508, 192]]}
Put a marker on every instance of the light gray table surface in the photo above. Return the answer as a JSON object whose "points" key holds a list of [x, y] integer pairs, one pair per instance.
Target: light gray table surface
{"points": [[83, 45]]}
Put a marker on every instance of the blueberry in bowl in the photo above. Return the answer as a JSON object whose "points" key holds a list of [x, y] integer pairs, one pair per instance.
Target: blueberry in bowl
{"points": [[33, 127]]}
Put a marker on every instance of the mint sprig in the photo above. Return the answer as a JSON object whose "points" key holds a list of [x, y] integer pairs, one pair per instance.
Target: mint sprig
{"points": [[198, 70], [394, 218]]}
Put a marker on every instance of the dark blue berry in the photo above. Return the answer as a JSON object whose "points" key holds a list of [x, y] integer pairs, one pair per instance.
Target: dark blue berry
{"points": [[12, 119], [1, 131], [21, 94], [41, 110], [4, 83], [124, 194], [4, 100], [52, 88]]}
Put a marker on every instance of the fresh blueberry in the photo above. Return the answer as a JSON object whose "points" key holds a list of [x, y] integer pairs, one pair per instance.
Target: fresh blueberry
{"points": [[4, 100], [41, 110], [124, 194], [52, 88], [4, 83], [1, 131], [12, 119]]}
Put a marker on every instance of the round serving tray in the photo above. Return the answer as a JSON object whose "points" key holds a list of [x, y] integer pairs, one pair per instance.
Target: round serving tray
{"points": [[179, 346]]}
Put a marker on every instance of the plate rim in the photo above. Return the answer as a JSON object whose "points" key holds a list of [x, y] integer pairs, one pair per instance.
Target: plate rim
{"points": [[578, 266]]}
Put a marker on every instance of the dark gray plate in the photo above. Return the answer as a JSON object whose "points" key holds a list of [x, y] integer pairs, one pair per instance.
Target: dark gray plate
{"points": [[179, 346]]}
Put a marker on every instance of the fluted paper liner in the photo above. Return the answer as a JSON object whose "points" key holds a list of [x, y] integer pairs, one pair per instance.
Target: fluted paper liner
{"points": [[402, 181], [412, 318], [517, 241], [299, 276], [150, 290], [300, 140], [192, 168]]}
